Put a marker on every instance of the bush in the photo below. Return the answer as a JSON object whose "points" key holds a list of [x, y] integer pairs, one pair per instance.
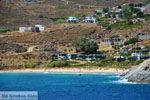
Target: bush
{"points": [[130, 22], [119, 64], [58, 64], [40, 16], [128, 14], [4, 30], [131, 4], [29, 65], [131, 41], [105, 10], [119, 7], [140, 14], [139, 5], [60, 8], [61, 20], [109, 28], [80, 15]]}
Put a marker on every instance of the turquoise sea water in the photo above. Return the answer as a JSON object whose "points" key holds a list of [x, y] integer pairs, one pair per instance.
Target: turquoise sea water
{"points": [[74, 87]]}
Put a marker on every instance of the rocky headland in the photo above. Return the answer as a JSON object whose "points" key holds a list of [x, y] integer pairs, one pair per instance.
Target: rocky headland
{"points": [[139, 74]]}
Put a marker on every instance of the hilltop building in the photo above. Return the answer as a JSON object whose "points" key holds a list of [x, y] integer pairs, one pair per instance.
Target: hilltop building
{"points": [[112, 41], [143, 35], [30, 1], [26, 29], [98, 12], [73, 19], [89, 19], [41, 27]]}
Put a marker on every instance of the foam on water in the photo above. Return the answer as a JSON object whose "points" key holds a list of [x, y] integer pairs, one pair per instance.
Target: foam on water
{"points": [[125, 81]]}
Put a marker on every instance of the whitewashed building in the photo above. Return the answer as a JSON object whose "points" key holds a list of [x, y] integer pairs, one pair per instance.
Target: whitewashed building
{"points": [[118, 57], [112, 41], [73, 19], [119, 10], [30, 1], [143, 35], [137, 54], [89, 19], [98, 12], [26, 29], [41, 27], [143, 9]]}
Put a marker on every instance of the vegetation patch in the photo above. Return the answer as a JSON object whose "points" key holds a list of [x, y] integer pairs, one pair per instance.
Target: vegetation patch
{"points": [[86, 45], [131, 41], [60, 20], [119, 64], [29, 65], [60, 8], [108, 64], [5, 30], [80, 15], [125, 25], [72, 62], [58, 64]]}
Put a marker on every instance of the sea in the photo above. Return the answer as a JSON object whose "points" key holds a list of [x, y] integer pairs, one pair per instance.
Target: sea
{"points": [[75, 86]]}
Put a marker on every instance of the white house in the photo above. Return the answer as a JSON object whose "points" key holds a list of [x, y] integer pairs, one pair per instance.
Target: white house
{"points": [[88, 57], [41, 27], [119, 10], [138, 55], [143, 9], [30, 1], [118, 57], [26, 29], [143, 35], [62, 55], [73, 19], [89, 19], [98, 12]]}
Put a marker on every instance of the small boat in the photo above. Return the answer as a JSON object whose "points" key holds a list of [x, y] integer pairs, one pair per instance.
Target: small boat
{"points": [[78, 74]]}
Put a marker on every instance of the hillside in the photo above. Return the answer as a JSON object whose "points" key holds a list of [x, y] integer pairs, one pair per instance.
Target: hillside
{"points": [[106, 3], [16, 13]]}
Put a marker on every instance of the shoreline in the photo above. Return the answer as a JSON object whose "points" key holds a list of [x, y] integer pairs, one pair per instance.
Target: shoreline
{"points": [[68, 70]]}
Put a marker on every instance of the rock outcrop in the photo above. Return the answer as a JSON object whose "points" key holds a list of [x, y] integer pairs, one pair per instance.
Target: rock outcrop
{"points": [[139, 74]]}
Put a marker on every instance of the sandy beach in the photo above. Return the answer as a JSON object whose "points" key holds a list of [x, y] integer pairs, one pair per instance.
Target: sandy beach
{"points": [[67, 70]]}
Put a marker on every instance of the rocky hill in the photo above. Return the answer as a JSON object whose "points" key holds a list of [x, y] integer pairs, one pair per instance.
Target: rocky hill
{"points": [[140, 74]]}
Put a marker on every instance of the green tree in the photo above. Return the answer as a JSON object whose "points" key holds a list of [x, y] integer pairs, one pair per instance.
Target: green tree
{"points": [[131, 41], [139, 5], [136, 10], [128, 14], [119, 7], [109, 28], [41, 16], [130, 22], [105, 10], [148, 1], [132, 9], [140, 14], [87, 46], [131, 4]]}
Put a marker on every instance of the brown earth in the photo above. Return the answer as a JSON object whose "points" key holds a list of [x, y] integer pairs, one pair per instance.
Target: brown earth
{"points": [[16, 13]]}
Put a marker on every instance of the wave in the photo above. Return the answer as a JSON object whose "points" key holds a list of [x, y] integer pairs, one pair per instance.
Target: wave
{"points": [[125, 81]]}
